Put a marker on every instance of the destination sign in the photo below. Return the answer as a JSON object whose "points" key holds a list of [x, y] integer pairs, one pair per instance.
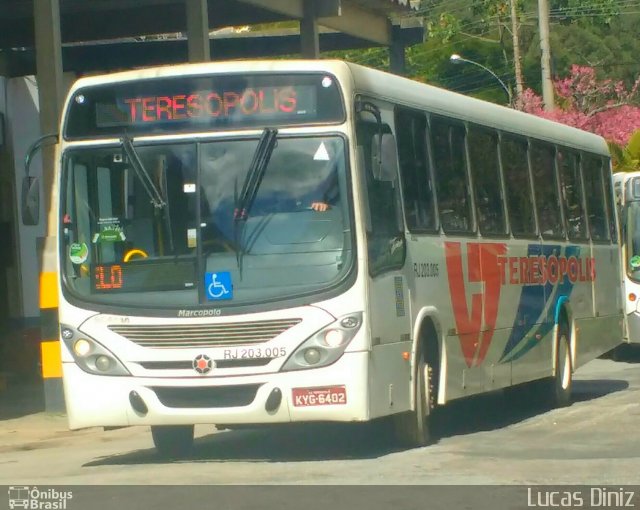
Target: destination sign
{"points": [[199, 103]]}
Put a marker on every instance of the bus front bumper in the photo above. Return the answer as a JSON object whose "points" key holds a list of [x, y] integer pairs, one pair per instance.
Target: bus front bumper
{"points": [[337, 392]]}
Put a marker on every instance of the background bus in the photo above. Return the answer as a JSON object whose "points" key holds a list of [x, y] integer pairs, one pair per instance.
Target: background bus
{"points": [[459, 247], [627, 193]]}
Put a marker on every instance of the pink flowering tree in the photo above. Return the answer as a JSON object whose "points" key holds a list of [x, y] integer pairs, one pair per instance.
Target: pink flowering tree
{"points": [[604, 107]]}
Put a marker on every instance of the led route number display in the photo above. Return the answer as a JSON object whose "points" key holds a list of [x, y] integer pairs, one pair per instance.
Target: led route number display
{"points": [[144, 276], [108, 277]]}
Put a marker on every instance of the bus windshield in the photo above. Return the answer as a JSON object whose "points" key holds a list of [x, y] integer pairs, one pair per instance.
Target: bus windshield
{"points": [[632, 230], [159, 225]]}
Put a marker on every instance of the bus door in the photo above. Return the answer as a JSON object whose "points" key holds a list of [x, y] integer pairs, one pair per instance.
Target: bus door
{"points": [[575, 261], [388, 300], [523, 299], [603, 269]]}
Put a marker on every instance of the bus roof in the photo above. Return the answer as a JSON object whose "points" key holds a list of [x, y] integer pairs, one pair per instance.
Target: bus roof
{"points": [[383, 85]]}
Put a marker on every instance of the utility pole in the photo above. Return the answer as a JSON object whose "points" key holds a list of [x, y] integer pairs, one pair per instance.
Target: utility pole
{"points": [[515, 31], [545, 59]]}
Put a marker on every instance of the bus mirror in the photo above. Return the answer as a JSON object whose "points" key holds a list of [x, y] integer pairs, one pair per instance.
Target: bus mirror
{"points": [[384, 157], [30, 201]]}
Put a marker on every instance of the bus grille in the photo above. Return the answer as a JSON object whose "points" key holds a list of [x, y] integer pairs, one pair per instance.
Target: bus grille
{"points": [[207, 335], [206, 397]]}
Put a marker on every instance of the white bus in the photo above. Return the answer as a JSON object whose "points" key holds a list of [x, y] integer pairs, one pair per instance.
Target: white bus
{"points": [[286, 241], [626, 187]]}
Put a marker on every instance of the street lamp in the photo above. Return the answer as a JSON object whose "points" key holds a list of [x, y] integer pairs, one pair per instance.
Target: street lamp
{"points": [[457, 59]]}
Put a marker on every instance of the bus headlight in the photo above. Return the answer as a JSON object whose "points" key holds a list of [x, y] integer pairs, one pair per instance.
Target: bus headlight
{"points": [[326, 346], [82, 348], [91, 356]]}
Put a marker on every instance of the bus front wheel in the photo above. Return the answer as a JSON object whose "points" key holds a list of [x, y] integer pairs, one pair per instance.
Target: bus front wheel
{"points": [[413, 427], [173, 441]]}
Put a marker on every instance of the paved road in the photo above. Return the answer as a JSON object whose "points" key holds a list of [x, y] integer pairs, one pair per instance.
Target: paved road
{"points": [[481, 441]]}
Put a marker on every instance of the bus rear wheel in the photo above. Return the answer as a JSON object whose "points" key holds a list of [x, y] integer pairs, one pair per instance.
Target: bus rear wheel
{"points": [[173, 441], [561, 384], [413, 428]]}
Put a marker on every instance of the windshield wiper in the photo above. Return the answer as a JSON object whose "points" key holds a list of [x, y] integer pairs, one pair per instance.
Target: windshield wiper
{"points": [[138, 167], [252, 182]]}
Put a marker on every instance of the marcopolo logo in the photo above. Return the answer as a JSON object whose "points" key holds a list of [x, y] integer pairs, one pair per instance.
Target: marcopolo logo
{"points": [[209, 312], [38, 499]]}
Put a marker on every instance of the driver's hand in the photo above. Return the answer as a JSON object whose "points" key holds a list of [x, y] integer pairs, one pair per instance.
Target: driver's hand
{"points": [[319, 206]]}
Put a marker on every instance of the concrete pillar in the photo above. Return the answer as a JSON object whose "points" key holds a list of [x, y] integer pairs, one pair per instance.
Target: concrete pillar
{"points": [[309, 33], [198, 30], [397, 58], [46, 14]]}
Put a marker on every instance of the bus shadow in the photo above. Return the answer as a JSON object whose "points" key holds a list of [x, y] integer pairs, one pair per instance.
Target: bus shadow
{"points": [[496, 410], [278, 443], [336, 441], [624, 353]]}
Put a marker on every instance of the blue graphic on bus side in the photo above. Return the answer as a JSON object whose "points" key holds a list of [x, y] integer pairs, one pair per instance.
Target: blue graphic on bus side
{"points": [[537, 307], [218, 286]]}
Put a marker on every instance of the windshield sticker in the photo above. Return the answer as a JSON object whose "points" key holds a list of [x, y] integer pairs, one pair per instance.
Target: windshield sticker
{"points": [[78, 253], [191, 238], [635, 261], [189, 188], [321, 154], [218, 285], [110, 231], [109, 234]]}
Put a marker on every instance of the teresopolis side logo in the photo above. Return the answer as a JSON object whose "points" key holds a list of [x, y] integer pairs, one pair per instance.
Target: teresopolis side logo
{"points": [[488, 265]]}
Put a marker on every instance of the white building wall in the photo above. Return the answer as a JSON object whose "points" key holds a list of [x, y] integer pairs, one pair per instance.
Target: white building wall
{"points": [[23, 128], [20, 104], [7, 212]]}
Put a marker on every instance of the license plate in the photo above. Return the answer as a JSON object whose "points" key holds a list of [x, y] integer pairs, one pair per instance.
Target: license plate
{"points": [[332, 395]]}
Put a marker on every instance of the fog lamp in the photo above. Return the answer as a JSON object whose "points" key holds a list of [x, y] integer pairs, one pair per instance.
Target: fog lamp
{"points": [[312, 356], [103, 363]]}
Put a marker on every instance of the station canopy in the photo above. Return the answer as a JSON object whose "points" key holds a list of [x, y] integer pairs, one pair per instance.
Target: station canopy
{"points": [[103, 35]]}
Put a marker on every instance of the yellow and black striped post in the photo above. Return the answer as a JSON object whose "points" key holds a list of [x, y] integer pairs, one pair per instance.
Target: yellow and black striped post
{"points": [[51, 92], [49, 329]]}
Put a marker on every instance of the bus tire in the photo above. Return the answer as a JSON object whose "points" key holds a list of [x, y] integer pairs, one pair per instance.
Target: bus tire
{"points": [[561, 384], [173, 441], [412, 428]]}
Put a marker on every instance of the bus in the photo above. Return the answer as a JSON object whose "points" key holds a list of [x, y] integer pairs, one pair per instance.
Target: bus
{"points": [[626, 187], [262, 242]]}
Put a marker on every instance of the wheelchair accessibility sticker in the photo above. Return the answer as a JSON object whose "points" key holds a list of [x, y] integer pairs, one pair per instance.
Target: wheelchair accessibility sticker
{"points": [[218, 285]]}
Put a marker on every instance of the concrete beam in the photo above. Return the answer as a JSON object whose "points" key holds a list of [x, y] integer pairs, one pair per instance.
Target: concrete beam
{"points": [[198, 30], [359, 22], [345, 17], [309, 32]]}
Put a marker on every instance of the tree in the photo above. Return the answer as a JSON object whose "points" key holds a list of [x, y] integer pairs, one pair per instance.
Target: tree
{"points": [[627, 159], [605, 107]]}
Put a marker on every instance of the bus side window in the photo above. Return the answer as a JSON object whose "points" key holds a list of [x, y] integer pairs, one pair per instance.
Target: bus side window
{"points": [[519, 197], [609, 200], [571, 193], [546, 190], [594, 190], [417, 188], [485, 172], [448, 145]]}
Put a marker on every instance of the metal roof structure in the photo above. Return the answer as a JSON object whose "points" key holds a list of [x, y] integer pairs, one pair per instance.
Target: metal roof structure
{"points": [[115, 34]]}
